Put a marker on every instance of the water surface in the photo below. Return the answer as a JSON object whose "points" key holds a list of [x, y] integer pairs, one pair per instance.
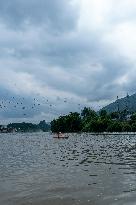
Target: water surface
{"points": [[84, 169]]}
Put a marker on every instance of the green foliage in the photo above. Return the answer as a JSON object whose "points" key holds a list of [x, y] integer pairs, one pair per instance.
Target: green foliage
{"points": [[68, 123], [29, 127], [114, 115], [90, 121], [133, 127], [87, 113], [90, 126], [23, 127], [103, 114], [44, 126], [126, 127], [133, 118], [115, 127]]}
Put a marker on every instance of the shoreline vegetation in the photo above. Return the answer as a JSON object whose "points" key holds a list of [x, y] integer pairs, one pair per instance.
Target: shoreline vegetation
{"points": [[25, 127], [88, 121], [101, 122]]}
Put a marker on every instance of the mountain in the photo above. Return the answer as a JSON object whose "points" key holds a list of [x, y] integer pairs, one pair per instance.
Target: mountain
{"points": [[127, 103]]}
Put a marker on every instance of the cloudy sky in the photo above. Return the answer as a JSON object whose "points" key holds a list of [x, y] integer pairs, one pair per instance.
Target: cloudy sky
{"points": [[58, 56]]}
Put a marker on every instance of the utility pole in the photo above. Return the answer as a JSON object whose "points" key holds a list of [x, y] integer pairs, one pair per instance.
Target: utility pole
{"points": [[118, 110], [127, 103], [118, 104]]}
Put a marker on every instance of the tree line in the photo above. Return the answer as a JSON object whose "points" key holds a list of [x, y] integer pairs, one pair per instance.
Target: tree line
{"points": [[29, 127], [90, 121]]}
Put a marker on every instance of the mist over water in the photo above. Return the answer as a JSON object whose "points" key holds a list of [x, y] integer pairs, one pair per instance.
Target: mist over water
{"points": [[37, 169]]}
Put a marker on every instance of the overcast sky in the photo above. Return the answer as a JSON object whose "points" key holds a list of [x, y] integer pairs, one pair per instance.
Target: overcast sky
{"points": [[64, 54]]}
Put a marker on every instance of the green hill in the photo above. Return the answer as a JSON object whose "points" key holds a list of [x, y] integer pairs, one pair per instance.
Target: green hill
{"points": [[127, 103]]}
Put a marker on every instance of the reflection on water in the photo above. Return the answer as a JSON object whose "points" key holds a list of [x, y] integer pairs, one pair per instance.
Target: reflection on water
{"points": [[83, 169]]}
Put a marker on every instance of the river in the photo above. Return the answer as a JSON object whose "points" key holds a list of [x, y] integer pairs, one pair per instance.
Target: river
{"points": [[37, 169]]}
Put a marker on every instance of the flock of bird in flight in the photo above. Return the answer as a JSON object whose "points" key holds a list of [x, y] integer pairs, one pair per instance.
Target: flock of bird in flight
{"points": [[21, 104]]}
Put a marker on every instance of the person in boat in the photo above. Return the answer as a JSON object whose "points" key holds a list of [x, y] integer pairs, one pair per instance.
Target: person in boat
{"points": [[59, 134]]}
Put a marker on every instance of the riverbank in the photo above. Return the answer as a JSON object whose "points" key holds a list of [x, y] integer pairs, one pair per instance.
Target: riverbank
{"points": [[112, 133]]}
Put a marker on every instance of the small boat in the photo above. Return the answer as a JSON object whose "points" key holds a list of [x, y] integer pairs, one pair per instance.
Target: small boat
{"points": [[60, 136]]}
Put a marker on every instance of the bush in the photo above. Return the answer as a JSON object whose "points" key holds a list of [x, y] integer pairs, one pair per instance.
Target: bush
{"points": [[115, 127], [126, 128], [133, 127]]}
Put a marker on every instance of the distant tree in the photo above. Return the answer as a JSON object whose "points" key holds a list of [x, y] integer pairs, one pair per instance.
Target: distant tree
{"points": [[115, 127], [114, 115], [44, 126], [133, 118], [96, 125], [88, 113], [133, 127], [103, 114], [68, 123], [126, 127], [23, 127], [90, 126]]}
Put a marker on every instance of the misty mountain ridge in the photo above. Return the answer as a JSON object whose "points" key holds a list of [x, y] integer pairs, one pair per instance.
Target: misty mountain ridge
{"points": [[127, 103]]}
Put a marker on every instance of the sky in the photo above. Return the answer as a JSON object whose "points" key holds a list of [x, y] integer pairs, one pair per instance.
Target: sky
{"points": [[58, 56]]}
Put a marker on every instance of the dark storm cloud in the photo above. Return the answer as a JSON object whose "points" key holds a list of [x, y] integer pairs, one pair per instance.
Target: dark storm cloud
{"points": [[57, 14]]}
